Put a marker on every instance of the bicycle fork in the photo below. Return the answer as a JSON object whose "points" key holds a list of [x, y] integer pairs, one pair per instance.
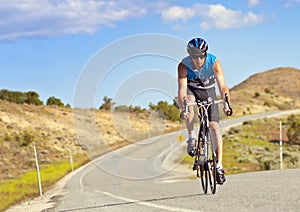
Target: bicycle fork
{"points": [[201, 153]]}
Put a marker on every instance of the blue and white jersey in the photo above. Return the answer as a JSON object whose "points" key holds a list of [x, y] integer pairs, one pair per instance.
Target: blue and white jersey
{"points": [[203, 79]]}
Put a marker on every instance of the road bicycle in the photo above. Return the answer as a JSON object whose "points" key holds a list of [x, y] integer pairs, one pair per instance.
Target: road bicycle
{"points": [[205, 157]]}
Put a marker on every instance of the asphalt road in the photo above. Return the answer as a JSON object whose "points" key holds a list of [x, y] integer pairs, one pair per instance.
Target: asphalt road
{"points": [[263, 191], [144, 177]]}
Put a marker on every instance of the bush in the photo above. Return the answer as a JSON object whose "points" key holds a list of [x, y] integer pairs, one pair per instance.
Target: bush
{"points": [[17, 97], [32, 97], [54, 101], [293, 132], [171, 112], [28, 138], [267, 90], [107, 105]]}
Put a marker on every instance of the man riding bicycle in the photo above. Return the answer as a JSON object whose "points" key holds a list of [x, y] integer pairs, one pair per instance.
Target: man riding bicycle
{"points": [[197, 76]]}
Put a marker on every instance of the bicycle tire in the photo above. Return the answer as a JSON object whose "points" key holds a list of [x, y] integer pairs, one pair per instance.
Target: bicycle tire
{"points": [[204, 179], [199, 165], [212, 166], [201, 173]]}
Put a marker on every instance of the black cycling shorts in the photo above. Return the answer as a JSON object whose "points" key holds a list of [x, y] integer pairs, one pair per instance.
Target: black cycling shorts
{"points": [[202, 95]]}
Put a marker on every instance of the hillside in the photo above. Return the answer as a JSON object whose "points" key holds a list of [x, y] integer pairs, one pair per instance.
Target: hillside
{"points": [[51, 128], [20, 125], [276, 89]]}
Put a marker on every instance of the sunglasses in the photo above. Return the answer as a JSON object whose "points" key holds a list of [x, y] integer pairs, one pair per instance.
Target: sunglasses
{"points": [[201, 56]]}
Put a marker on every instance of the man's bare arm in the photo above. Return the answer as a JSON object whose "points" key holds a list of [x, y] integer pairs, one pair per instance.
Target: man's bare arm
{"points": [[220, 79], [182, 83]]}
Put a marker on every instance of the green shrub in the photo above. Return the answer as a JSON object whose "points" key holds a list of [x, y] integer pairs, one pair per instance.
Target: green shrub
{"points": [[267, 90], [293, 132], [18, 97], [28, 138], [54, 101]]}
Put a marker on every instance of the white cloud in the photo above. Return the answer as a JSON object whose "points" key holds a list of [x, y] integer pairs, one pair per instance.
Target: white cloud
{"points": [[177, 13], [45, 18], [213, 16], [50, 18], [220, 17], [253, 3]]}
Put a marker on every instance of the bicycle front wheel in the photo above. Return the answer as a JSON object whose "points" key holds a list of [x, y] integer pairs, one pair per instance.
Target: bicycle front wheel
{"points": [[204, 179], [212, 172]]}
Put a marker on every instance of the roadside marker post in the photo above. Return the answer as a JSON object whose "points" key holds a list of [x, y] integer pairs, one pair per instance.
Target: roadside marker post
{"points": [[280, 145], [38, 171], [71, 160]]}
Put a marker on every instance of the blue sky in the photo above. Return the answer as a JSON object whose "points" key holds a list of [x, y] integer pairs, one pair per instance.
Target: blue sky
{"points": [[45, 45]]}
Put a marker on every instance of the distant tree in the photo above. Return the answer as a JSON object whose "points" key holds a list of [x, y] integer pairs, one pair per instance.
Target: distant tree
{"points": [[122, 108], [68, 106], [12, 96], [171, 112], [138, 109], [130, 109], [152, 106], [54, 101], [17, 97], [107, 105], [32, 97]]}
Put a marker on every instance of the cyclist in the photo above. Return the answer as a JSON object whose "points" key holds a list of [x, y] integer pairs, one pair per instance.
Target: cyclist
{"points": [[197, 76]]}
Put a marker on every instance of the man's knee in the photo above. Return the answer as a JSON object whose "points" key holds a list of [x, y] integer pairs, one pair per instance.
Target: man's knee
{"points": [[191, 98], [214, 125]]}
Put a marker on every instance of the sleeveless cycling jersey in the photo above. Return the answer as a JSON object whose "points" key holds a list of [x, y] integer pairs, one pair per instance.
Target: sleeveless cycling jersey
{"points": [[203, 79]]}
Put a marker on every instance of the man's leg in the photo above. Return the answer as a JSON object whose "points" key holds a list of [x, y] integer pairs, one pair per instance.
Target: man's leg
{"points": [[218, 145], [191, 149], [217, 139], [190, 121]]}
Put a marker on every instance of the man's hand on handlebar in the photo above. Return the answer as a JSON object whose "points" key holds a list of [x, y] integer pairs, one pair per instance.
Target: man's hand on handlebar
{"points": [[227, 110], [184, 114]]}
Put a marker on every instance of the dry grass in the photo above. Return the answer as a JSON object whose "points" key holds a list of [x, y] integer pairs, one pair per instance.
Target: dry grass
{"points": [[57, 130], [277, 89]]}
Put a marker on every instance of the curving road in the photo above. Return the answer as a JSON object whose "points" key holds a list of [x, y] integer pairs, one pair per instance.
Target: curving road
{"points": [[140, 177]]}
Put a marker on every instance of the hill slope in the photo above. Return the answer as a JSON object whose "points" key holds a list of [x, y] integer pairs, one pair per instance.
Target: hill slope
{"points": [[276, 89], [52, 129]]}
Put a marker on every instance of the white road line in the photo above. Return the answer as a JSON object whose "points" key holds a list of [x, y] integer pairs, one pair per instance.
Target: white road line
{"points": [[93, 165], [82, 176], [148, 204]]}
